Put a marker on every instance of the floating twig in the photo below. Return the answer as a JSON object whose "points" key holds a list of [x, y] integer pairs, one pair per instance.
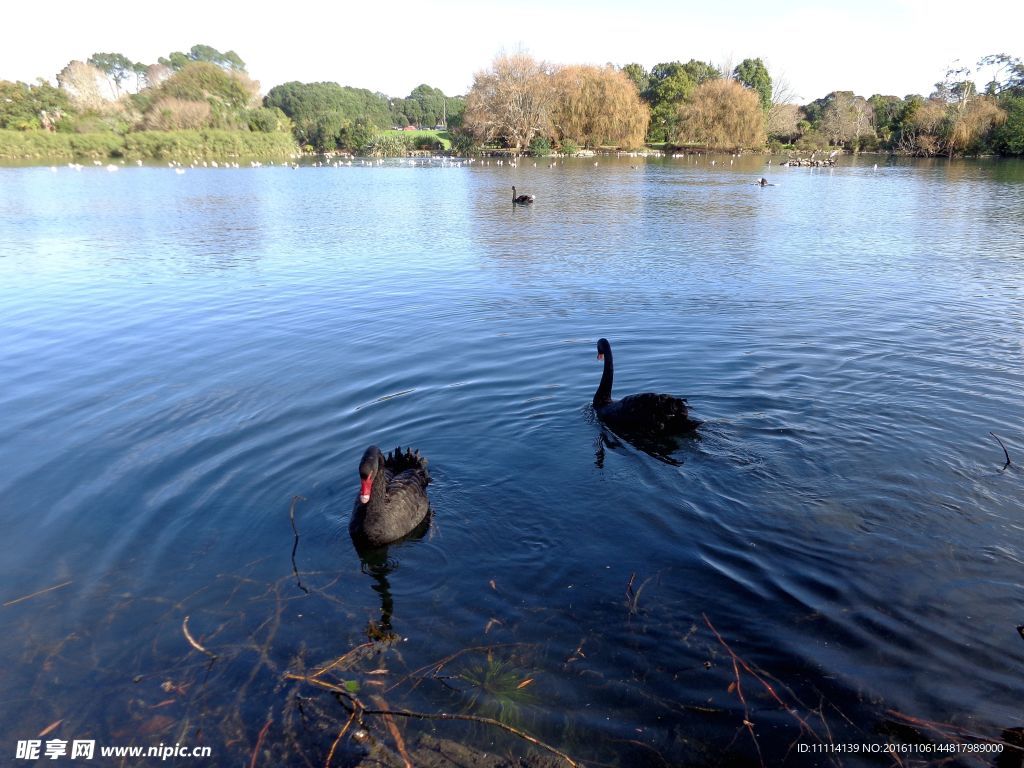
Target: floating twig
{"points": [[36, 594], [49, 729], [193, 642], [295, 544], [1005, 452]]}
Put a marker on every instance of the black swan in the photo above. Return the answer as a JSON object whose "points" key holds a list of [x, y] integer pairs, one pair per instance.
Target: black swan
{"points": [[392, 499], [643, 415], [522, 199]]}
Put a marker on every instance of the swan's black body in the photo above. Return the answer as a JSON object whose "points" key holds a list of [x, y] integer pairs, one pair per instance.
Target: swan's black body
{"points": [[522, 199], [644, 415], [393, 496]]}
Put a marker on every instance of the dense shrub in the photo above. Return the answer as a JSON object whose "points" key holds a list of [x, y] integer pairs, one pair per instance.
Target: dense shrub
{"points": [[540, 147], [171, 114]]}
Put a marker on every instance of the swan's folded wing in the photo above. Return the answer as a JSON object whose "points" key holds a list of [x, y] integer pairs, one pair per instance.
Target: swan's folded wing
{"points": [[653, 413]]}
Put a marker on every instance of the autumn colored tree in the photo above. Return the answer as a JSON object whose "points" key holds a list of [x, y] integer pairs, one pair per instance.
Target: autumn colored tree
{"points": [[968, 114], [511, 102], [598, 106], [722, 114]]}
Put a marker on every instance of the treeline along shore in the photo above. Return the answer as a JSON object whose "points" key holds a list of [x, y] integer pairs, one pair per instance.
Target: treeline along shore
{"points": [[203, 106]]}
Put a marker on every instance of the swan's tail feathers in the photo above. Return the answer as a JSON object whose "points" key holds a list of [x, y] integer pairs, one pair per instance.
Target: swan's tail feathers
{"points": [[409, 460]]}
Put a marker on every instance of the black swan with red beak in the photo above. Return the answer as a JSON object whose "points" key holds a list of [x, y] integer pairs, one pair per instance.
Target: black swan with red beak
{"points": [[392, 499], [644, 415]]}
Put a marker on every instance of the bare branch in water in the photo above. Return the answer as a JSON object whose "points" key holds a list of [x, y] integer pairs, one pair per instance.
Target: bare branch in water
{"points": [[295, 545], [35, 594], [1005, 452], [345, 695], [193, 642], [259, 743], [474, 719], [341, 733]]}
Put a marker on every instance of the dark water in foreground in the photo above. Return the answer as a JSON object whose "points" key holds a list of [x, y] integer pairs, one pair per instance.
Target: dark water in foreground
{"points": [[184, 353]]}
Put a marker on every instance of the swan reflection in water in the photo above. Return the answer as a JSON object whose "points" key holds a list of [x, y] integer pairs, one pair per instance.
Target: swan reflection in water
{"points": [[661, 449], [378, 563]]}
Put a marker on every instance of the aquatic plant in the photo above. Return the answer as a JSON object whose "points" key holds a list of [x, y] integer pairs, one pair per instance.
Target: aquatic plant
{"points": [[498, 688]]}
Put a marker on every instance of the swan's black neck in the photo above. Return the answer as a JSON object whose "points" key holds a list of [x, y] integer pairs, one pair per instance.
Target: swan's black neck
{"points": [[603, 396]]}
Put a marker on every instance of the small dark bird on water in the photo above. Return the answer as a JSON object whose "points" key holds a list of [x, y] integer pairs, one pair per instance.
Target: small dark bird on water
{"points": [[521, 199]]}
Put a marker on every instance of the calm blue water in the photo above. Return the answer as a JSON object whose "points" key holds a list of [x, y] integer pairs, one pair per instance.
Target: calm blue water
{"points": [[184, 353]]}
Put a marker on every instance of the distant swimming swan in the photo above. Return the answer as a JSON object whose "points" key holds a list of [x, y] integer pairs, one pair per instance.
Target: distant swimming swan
{"points": [[522, 199]]}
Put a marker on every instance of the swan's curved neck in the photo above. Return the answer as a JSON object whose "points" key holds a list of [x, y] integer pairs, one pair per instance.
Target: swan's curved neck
{"points": [[379, 490], [603, 396]]}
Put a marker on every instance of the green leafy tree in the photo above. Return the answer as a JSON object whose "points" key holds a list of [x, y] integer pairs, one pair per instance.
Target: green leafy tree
{"points": [[229, 94], [1008, 139], [886, 112], [1007, 85], [638, 75], [25, 107], [1009, 75], [117, 67], [266, 120], [359, 135], [205, 53], [701, 72], [426, 107], [669, 87], [754, 74], [312, 106]]}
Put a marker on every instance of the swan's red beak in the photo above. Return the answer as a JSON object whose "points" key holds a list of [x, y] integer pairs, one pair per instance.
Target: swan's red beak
{"points": [[365, 486], [600, 356]]}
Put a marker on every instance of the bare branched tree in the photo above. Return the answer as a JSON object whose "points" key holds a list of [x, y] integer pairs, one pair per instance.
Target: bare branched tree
{"points": [[512, 101], [84, 85]]}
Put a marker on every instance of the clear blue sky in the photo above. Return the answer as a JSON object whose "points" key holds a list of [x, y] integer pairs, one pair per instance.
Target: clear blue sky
{"points": [[892, 47]]}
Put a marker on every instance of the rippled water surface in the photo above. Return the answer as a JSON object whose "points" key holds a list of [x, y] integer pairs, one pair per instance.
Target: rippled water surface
{"points": [[184, 353]]}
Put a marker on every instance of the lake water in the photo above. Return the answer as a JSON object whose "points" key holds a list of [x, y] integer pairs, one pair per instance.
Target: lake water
{"points": [[182, 354]]}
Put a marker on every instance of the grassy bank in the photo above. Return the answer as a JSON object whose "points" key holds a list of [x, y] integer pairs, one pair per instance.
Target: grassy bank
{"points": [[180, 146], [415, 137]]}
